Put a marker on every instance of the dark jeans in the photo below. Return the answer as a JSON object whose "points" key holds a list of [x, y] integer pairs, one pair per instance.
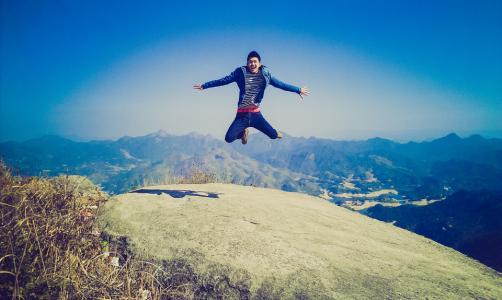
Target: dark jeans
{"points": [[244, 120]]}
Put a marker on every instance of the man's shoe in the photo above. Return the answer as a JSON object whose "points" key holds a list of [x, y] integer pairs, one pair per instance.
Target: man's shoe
{"points": [[244, 137], [279, 135]]}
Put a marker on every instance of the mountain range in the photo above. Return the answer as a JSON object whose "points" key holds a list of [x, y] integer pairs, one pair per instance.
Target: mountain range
{"points": [[430, 170]]}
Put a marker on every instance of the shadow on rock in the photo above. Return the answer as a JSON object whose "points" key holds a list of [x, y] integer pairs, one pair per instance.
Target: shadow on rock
{"points": [[177, 193]]}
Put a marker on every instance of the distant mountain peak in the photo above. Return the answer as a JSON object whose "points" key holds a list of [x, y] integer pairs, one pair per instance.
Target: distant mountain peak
{"points": [[452, 136], [378, 139], [160, 133], [449, 138], [195, 134]]}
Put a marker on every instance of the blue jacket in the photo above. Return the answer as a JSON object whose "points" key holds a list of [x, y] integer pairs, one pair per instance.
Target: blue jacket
{"points": [[238, 76]]}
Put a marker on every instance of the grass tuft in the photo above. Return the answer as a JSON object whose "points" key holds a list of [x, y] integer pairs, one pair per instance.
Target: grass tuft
{"points": [[51, 247]]}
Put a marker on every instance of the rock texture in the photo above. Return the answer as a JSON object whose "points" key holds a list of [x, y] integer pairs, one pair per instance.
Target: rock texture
{"points": [[265, 243]]}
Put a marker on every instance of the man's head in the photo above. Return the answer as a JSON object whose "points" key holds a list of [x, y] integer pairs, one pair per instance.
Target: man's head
{"points": [[254, 61]]}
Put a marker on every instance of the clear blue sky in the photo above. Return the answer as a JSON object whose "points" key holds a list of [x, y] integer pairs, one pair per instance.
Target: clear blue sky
{"points": [[104, 69]]}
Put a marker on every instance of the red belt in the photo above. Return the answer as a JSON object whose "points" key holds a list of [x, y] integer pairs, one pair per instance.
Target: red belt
{"points": [[254, 109]]}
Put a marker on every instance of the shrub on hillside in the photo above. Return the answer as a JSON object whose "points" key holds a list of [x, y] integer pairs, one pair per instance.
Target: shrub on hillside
{"points": [[51, 249], [196, 173]]}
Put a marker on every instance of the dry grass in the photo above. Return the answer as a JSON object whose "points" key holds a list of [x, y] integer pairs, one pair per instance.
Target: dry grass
{"points": [[194, 174], [50, 247], [197, 175]]}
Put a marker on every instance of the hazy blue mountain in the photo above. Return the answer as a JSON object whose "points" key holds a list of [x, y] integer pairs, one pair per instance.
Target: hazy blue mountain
{"points": [[474, 149], [118, 166], [416, 170], [52, 155]]}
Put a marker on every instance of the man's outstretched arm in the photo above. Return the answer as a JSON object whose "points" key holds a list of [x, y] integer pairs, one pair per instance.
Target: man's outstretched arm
{"points": [[304, 91], [218, 82]]}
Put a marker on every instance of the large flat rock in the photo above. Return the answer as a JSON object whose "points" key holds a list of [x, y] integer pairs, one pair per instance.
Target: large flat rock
{"points": [[287, 245]]}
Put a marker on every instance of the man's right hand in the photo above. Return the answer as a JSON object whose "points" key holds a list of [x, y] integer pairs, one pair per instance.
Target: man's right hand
{"points": [[304, 91], [198, 87]]}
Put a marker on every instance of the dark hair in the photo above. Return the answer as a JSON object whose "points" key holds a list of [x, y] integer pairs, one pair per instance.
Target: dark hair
{"points": [[254, 54]]}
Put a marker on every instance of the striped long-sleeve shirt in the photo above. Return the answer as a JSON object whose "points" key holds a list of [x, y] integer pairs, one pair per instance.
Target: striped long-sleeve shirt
{"points": [[254, 84]]}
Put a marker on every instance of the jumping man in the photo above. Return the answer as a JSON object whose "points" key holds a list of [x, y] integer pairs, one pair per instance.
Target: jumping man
{"points": [[252, 81]]}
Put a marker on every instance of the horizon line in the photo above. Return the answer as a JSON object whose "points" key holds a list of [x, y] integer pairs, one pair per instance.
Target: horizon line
{"points": [[164, 132]]}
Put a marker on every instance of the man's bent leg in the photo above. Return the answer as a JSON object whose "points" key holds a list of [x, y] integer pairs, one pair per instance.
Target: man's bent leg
{"points": [[259, 122], [237, 127]]}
